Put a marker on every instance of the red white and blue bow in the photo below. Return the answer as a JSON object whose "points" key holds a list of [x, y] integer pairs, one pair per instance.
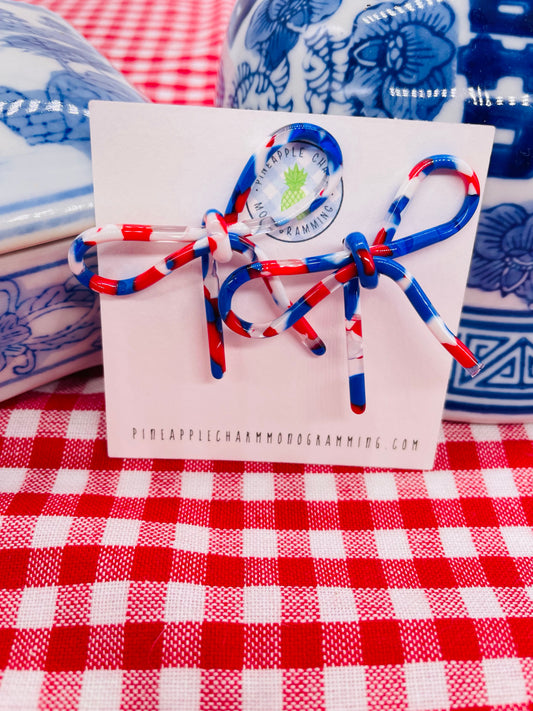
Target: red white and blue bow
{"points": [[360, 265], [223, 234]]}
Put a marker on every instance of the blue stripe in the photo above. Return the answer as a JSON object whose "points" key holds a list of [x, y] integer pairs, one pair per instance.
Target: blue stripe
{"points": [[397, 207], [297, 311], [38, 268], [483, 408], [79, 248], [27, 229], [235, 280], [125, 286], [357, 389], [210, 314], [486, 326], [216, 370], [487, 313], [46, 199]]}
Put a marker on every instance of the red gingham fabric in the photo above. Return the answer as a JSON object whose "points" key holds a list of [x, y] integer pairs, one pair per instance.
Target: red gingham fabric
{"points": [[219, 586]]}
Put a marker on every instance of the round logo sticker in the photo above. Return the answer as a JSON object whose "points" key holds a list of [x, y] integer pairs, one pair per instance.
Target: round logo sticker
{"points": [[294, 172]]}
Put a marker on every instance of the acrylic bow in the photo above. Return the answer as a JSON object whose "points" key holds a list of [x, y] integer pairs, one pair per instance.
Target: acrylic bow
{"points": [[361, 264], [222, 235]]}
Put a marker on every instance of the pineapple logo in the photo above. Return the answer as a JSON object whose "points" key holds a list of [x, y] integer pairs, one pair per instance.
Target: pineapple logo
{"points": [[294, 178], [291, 176]]}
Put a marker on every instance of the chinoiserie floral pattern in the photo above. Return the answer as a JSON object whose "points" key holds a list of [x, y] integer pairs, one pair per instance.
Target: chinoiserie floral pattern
{"points": [[59, 111], [27, 322], [392, 65], [503, 253], [397, 62], [13, 336], [277, 24], [274, 30]]}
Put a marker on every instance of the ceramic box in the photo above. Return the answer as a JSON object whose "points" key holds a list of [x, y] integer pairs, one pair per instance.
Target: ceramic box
{"points": [[49, 325]]}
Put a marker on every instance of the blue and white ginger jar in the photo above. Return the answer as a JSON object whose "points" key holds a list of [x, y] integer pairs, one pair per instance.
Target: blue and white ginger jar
{"points": [[456, 60]]}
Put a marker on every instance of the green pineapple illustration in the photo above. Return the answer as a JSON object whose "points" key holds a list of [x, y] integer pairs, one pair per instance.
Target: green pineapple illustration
{"points": [[295, 178]]}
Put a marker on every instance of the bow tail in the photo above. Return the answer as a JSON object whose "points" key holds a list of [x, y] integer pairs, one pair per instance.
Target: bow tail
{"points": [[215, 334], [354, 345], [427, 312], [302, 328]]}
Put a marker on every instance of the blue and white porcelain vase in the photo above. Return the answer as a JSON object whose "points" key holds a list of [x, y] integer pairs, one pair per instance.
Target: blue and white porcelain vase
{"points": [[455, 60]]}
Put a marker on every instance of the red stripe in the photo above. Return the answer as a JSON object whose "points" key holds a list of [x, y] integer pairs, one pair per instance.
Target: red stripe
{"points": [[239, 205], [462, 354], [381, 250], [369, 267], [103, 285], [356, 327], [216, 347], [233, 322], [346, 273], [222, 223], [268, 332], [289, 266], [147, 278], [316, 294], [136, 233], [381, 236], [471, 180], [419, 167], [475, 182], [181, 256]]}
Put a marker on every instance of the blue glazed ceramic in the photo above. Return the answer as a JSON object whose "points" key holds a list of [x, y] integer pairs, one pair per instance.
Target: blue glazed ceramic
{"points": [[48, 75], [453, 60]]}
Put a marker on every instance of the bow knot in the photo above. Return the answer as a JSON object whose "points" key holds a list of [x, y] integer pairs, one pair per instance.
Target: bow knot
{"points": [[218, 236], [364, 261]]}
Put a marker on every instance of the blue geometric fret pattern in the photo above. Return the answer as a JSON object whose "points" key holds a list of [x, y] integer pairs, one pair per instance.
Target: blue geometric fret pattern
{"points": [[504, 342]]}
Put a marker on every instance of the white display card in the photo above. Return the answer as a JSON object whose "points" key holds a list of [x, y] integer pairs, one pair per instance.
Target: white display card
{"points": [[167, 165]]}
